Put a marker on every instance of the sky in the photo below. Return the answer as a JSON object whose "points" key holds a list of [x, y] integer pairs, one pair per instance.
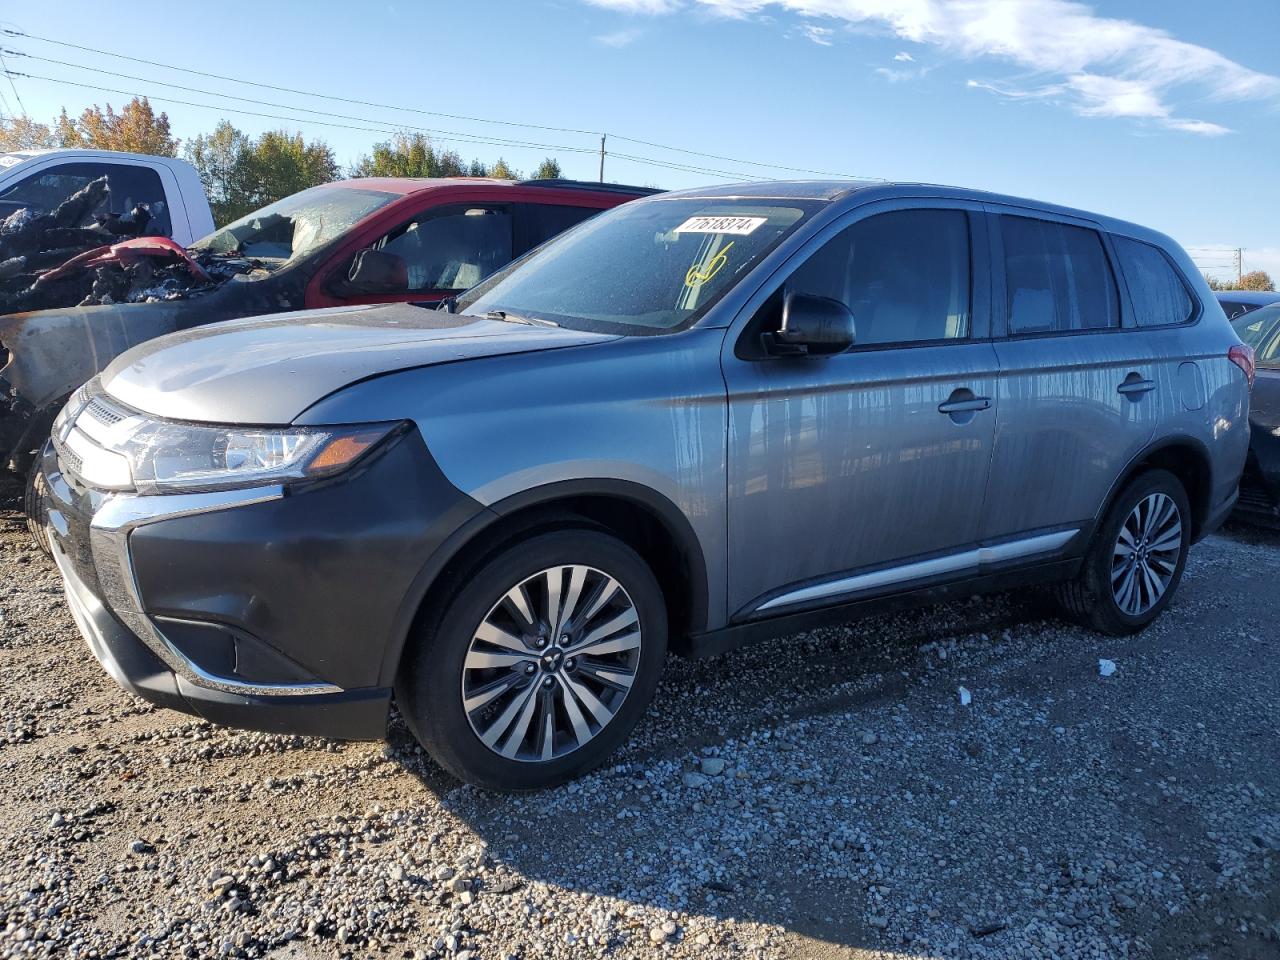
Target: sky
{"points": [[1167, 114]]}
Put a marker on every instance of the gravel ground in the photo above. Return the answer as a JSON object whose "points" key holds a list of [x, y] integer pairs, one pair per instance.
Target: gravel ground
{"points": [[822, 796]]}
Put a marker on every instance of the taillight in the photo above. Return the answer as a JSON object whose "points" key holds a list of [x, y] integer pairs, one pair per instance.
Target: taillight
{"points": [[1242, 356]]}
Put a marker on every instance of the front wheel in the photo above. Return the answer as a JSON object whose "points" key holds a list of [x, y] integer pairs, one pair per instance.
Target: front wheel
{"points": [[541, 665], [1136, 560]]}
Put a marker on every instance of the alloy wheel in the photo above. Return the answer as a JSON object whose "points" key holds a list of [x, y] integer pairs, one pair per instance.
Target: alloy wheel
{"points": [[551, 663], [1146, 554]]}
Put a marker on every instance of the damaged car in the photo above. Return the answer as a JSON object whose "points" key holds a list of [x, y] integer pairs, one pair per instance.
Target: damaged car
{"points": [[56, 205], [347, 243]]}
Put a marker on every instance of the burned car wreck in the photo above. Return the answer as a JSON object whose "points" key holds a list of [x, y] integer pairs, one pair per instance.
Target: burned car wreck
{"points": [[35, 246]]}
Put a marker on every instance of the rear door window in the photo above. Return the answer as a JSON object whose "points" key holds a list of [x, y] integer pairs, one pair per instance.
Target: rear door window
{"points": [[544, 220], [1057, 278], [452, 248], [905, 275], [1159, 296], [128, 186]]}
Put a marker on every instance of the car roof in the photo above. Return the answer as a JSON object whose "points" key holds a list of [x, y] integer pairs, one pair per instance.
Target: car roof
{"points": [[411, 185], [1259, 297], [858, 192]]}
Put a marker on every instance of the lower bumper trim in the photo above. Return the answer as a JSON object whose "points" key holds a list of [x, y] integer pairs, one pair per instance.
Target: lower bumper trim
{"points": [[350, 714]]}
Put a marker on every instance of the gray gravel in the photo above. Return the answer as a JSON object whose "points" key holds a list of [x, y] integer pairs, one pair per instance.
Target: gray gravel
{"points": [[821, 796]]}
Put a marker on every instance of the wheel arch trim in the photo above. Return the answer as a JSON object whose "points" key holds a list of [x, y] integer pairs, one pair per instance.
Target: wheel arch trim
{"points": [[488, 518]]}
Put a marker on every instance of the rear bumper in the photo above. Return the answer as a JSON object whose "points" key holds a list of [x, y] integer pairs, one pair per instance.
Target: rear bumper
{"points": [[357, 715]]}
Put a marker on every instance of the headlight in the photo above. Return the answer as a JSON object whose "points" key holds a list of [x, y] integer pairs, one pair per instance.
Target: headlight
{"points": [[166, 457]]}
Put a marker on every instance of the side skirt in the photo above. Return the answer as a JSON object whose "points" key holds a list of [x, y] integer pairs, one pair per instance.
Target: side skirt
{"points": [[728, 638]]}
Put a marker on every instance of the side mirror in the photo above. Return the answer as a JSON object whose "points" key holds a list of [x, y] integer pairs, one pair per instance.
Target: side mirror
{"points": [[811, 326], [376, 271]]}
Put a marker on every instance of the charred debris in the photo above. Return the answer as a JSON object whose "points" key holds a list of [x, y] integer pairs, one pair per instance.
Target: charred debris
{"points": [[78, 256]]}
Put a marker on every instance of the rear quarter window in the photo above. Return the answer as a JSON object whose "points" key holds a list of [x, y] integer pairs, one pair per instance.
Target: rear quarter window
{"points": [[1159, 295]]}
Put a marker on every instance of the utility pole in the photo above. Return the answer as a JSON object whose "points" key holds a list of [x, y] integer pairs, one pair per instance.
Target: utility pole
{"points": [[602, 158], [1239, 264]]}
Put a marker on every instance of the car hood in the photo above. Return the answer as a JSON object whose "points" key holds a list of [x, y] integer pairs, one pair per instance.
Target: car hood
{"points": [[268, 370]]}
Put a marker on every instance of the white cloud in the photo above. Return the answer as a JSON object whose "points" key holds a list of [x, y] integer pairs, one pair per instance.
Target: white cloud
{"points": [[904, 57], [1097, 66], [619, 38], [819, 35]]}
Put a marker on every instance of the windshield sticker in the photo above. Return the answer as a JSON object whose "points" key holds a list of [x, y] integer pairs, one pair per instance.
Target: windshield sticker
{"points": [[735, 226], [7, 162], [699, 275]]}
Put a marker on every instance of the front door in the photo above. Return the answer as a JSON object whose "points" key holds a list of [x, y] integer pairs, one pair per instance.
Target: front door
{"points": [[866, 471]]}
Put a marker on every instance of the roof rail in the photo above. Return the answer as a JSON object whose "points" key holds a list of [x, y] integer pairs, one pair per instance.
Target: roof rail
{"points": [[591, 185]]}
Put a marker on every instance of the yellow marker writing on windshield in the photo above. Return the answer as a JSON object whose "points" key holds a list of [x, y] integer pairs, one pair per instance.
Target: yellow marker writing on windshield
{"points": [[697, 275]]}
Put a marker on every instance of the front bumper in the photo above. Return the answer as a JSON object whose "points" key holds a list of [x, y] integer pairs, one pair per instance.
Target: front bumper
{"points": [[357, 714], [263, 608]]}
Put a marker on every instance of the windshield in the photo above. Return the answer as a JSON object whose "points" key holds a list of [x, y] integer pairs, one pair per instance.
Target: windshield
{"points": [[647, 267], [1260, 329], [293, 227]]}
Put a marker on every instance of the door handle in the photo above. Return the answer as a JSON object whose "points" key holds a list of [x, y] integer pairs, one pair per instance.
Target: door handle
{"points": [[1132, 388], [965, 406]]}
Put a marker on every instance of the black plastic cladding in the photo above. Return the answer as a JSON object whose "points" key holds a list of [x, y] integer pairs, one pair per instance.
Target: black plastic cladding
{"points": [[318, 576]]}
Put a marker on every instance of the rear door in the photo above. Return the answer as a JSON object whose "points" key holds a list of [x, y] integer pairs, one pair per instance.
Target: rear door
{"points": [[536, 223], [1081, 387]]}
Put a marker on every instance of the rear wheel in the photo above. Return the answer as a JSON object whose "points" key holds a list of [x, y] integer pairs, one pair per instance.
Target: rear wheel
{"points": [[540, 665], [1136, 560], [37, 515]]}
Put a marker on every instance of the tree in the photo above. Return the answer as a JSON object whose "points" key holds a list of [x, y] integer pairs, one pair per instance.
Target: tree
{"points": [[278, 164], [549, 169], [413, 155], [135, 129], [23, 133], [1256, 280], [501, 171], [221, 160]]}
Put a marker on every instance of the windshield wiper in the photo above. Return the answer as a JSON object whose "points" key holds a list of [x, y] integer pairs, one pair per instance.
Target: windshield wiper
{"points": [[506, 317]]}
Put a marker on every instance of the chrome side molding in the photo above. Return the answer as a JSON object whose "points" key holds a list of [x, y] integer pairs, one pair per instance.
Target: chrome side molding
{"points": [[967, 561]]}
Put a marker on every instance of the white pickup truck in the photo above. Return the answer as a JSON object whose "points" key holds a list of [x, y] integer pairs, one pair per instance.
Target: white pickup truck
{"points": [[167, 187]]}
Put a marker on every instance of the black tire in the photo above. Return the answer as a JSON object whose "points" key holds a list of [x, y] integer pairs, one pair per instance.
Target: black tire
{"points": [[37, 515], [1090, 599], [430, 687]]}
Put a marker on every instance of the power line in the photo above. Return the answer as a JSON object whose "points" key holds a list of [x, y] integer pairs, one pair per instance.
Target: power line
{"points": [[14, 87], [434, 113], [304, 93], [388, 129], [499, 141]]}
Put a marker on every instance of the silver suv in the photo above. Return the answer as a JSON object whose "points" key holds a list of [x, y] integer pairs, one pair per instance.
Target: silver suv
{"points": [[697, 419]]}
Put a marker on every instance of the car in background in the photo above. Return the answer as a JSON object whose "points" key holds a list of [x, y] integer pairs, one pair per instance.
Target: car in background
{"points": [[168, 188], [1236, 303], [343, 244], [698, 419], [1260, 484]]}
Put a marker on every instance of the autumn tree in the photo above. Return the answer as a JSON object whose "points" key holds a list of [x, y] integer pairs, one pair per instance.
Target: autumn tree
{"points": [[23, 133], [549, 169], [135, 129], [1256, 280]]}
